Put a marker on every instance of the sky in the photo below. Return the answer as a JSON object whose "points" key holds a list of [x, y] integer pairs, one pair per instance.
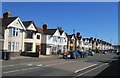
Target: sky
{"points": [[91, 19]]}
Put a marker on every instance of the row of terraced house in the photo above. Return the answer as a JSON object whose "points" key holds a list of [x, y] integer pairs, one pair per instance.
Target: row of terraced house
{"points": [[25, 38]]}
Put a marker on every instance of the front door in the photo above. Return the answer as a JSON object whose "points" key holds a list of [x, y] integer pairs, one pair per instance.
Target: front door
{"points": [[38, 49]]}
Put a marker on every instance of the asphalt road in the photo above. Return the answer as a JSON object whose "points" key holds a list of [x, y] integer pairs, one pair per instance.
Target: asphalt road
{"points": [[91, 66]]}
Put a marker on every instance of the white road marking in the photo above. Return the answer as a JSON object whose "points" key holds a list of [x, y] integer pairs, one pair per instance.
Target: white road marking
{"points": [[10, 71], [30, 64], [85, 68], [92, 69], [10, 65], [27, 63], [39, 65], [58, 63], [19, 70], [35, 67], [29, 68]]}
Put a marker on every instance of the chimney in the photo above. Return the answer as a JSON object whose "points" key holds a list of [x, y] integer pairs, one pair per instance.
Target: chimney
{"points": [[94, 39], [91, 38], [98, 40], [7, 14], [83, 39], [78, 34], [45, 26]]}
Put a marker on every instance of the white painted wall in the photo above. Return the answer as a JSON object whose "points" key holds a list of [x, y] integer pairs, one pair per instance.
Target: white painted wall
{"points": [[31, 27], [34, 41], [64, 36], [8, 38], [47, 51]]}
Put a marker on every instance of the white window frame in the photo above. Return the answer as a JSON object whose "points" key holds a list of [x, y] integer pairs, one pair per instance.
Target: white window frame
{"points": [[11, 30], [9, 46], [14, 46]]}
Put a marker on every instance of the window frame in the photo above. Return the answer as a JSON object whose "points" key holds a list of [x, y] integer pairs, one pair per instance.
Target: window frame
{"points": [[15, 32], [38, 36]]}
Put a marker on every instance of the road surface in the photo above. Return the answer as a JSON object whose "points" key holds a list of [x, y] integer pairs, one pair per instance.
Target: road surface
{"points": [[91, 66]]}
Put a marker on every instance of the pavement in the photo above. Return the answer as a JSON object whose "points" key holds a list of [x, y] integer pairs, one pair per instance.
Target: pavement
{"points": [[55, 66]]}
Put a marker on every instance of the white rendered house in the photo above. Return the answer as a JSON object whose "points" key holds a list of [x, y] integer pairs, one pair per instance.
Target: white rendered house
{"points": [[13, 30]]}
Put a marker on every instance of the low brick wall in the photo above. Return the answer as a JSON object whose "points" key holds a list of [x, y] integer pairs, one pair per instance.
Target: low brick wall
{"points": [[15, 54], [29, 54], [8, 55]]}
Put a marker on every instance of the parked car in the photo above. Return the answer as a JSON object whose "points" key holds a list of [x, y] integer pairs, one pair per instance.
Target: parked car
{"points": [[65, 54], [71, 55], [90, 53], [76, 55], [104, 52], [82, 54], [118, 53]]}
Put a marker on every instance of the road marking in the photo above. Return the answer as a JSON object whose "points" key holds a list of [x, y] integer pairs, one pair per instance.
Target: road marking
{"points": [[29, 68], [58, 63], [39, 65], [15, 65], [10, 65], [19, 70], [30, 64], [10, 71], [85, 68], [35, 67], [92, 69]]}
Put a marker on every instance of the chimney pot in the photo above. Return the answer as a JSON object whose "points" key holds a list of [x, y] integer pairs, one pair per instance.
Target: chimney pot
{"points": [[78, 34], [7, 14], [45, 26]]}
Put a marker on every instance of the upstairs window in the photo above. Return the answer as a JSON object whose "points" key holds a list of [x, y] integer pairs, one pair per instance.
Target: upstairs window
{"points": [[38, 36], [71, 41], [29, 34], [55, 39], [65, 39], [14, 32]]}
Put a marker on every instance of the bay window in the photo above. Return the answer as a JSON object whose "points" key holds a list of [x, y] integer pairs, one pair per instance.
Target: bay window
{"points": [[28, 46], [13, 46], [9, 46]]}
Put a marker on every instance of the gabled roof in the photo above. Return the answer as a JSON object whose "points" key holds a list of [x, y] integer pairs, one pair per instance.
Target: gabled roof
{"points": [[27, 23], [7, 21], [40, 30], [66, 34], [61, 31], [70, 36], [49, 31], [86, 38], [79, 38]]}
